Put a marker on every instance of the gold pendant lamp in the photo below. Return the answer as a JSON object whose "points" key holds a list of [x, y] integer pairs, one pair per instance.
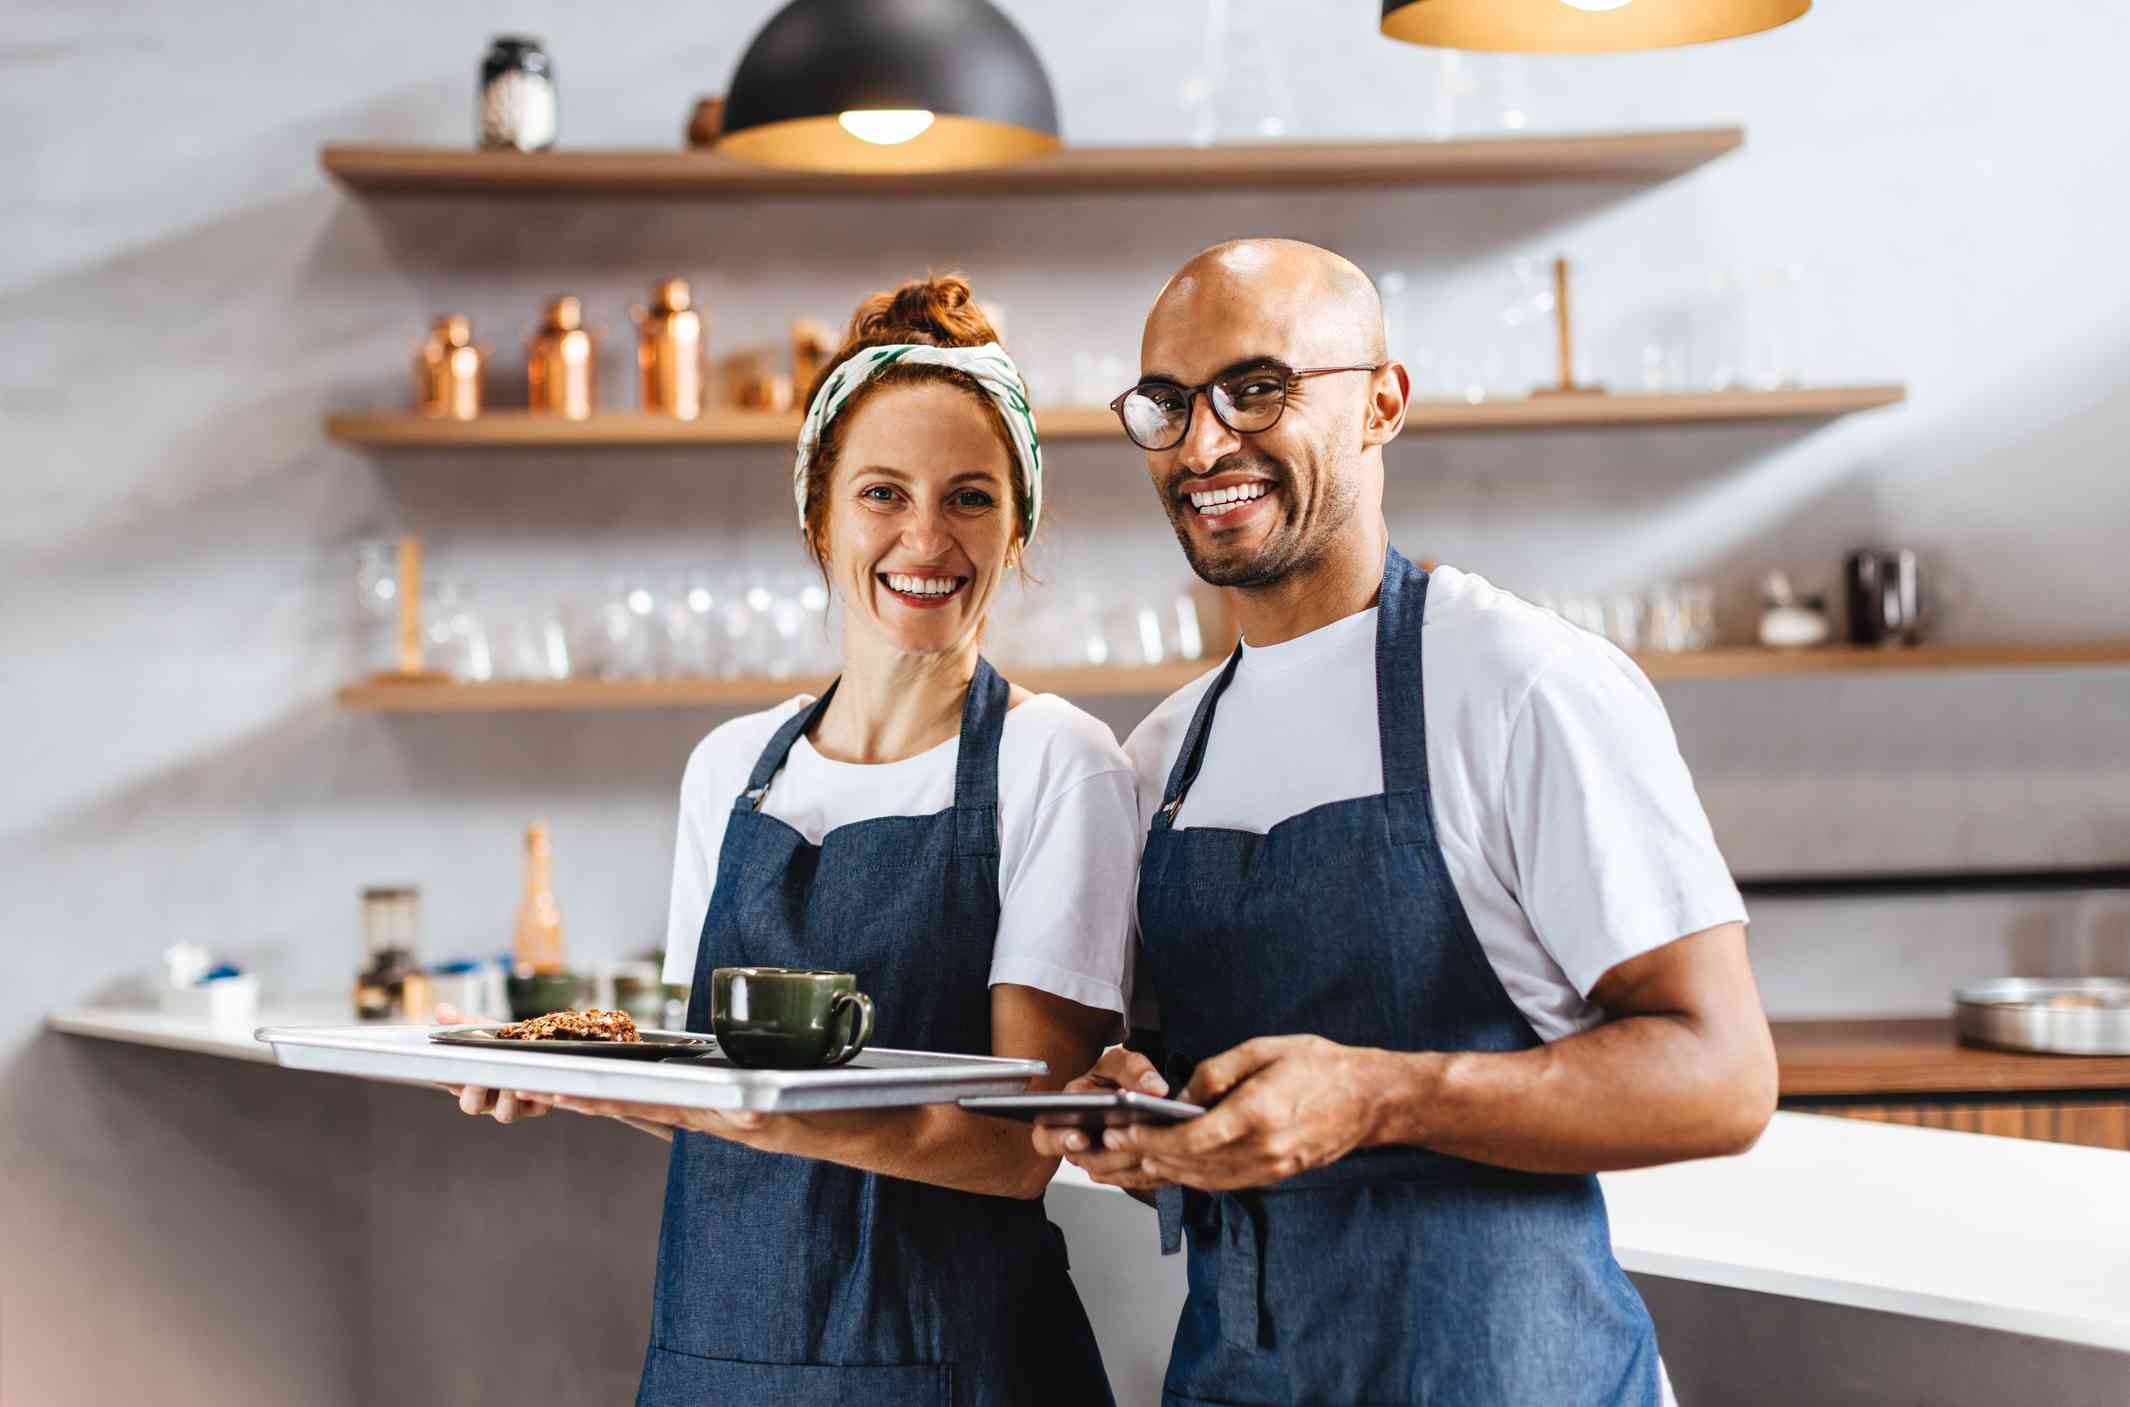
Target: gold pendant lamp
{"points": [[1580, 26]]}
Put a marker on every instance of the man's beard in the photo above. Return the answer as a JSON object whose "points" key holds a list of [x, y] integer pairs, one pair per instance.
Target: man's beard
{"points": [[1287, 549]]}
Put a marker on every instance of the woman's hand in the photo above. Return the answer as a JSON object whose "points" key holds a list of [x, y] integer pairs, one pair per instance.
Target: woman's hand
{"points": [[738, 1125], [1118, 1069], [658, 1120], [503, 1105]]}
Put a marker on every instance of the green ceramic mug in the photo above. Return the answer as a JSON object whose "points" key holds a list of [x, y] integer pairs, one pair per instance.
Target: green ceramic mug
{"points": [[788, 1018]]}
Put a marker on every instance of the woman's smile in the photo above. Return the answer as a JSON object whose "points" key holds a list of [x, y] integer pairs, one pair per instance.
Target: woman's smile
{"points": [[922, 591]]}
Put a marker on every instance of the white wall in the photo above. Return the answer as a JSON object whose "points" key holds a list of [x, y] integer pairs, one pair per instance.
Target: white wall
{"points": [[183, 294]]}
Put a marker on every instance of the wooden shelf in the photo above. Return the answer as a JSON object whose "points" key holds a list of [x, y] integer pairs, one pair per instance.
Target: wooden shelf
{"points": [[626, 429], [1743, 663], [516, 429], [586, 694], [1749, 662], [1627, 408], [661, 174]]}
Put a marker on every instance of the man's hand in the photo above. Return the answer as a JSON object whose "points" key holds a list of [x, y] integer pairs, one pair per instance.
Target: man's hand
{"points": [[1281, 1105], [1118, 1069]]}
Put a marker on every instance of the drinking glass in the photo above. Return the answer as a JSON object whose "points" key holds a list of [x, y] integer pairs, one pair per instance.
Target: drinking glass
{"points": [[1524, 339], [1681, 617], [1697, 604], [1478, 94], [454, 636], [787, 623], [1186, 640], [1622, 614], [1774, 350], [628, 634], [1243, 94], [1719, 332], [530, 643], [820, 651], [1402, 329], [377, 599], [693, 627]]}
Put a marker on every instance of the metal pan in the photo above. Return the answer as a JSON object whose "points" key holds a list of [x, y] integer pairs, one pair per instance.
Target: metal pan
{"points": [[2049, 1015], [877, 1079]]}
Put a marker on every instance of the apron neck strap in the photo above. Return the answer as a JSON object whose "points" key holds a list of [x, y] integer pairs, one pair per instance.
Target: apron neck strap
{"points": [[1193, 751], [771, 761], [983, 721], [1401, 726], [1401, 707]]}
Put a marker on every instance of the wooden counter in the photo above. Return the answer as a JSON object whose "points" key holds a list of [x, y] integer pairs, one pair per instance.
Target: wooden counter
{"points": [[1916, 1072]]}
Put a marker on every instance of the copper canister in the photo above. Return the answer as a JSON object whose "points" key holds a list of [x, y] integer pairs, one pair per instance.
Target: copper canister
{"points": [[447, 370], [560, 369], [669, 352]]}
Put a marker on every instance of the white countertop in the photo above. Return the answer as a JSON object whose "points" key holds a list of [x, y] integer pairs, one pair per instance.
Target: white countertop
{"points": [[147, 1026], [1998, 1233]]}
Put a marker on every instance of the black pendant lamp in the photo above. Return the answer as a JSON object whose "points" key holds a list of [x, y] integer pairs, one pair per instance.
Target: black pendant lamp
{"points": [[889, 85], [1580, 26]]}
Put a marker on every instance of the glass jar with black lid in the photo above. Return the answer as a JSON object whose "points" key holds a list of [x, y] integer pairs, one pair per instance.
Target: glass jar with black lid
{"points": [[517, 107]]}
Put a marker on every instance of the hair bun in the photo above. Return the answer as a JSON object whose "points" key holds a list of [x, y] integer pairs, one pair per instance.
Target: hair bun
{"points": [[939, 312]]}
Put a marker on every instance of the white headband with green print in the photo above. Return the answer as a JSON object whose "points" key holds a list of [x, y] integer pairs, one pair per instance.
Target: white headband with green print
{"points": [[988, 365]]}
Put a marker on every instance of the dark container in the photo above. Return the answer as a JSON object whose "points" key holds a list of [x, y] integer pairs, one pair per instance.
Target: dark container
{"points": [[517, 106]]}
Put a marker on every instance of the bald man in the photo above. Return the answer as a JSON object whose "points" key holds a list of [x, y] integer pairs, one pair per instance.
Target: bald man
{"points": [[1435, 920]]}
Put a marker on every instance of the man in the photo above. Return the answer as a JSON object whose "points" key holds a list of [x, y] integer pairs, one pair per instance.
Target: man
{"points": [[1436, 942]]}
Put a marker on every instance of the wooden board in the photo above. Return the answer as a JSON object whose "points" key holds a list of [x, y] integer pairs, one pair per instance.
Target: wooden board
{"points": [[1876, 1059], [651, 173], [2089, 1125]]}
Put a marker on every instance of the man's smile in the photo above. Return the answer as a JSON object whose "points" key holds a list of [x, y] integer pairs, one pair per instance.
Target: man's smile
{"points": [[1222, 502]]}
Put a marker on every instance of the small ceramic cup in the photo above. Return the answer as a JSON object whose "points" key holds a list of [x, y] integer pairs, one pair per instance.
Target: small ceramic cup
{"points": [[538, 993], [788, 1018]]}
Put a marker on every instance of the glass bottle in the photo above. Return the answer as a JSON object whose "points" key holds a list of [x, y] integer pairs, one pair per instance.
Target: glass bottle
{"points": [[538, 946]]}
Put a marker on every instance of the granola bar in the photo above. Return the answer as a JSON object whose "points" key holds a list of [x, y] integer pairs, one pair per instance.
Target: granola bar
{"points": [[573, 1026]]}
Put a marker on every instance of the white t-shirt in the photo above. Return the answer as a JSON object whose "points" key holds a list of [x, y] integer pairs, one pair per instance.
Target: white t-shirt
{"points": [[1562, 807], [1068, 836]]}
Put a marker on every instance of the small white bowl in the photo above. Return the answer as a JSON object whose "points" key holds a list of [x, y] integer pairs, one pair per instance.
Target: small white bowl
{"points": [[227, 1001]]}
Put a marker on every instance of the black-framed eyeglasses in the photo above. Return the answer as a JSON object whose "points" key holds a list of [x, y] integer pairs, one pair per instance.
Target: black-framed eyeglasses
{"points": [[1157, 414]]}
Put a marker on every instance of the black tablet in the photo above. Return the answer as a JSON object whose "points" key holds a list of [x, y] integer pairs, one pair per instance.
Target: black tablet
{"points": [[1087, 1111]]}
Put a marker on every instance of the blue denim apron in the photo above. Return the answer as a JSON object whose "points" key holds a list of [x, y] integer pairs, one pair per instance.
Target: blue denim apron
{"points": [[1395, 1275], [802, 1283]]}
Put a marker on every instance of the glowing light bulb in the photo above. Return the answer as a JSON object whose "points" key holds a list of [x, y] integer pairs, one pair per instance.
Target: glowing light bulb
{"points": [[1596, 7], [886, 127]]}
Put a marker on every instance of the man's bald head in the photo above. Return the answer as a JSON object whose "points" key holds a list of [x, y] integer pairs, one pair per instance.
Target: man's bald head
{"points": [[1318, 307], [1257, 507]]}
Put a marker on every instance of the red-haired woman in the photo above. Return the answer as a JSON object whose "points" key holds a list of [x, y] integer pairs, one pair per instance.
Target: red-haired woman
{"points": [[969, 850]]}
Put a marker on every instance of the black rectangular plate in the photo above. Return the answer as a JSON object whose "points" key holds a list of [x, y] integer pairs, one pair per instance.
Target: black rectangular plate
{"points": [[655, 1045]]}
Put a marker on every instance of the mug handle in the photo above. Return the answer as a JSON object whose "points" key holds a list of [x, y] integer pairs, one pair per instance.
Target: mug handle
{"points": [[859, 1027]]}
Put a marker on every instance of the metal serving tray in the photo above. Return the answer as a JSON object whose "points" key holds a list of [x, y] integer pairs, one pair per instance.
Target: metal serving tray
{"points": [[877, 1079], [2055, 1016]]}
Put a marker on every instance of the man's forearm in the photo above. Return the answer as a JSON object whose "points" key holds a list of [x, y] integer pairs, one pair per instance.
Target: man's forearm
{"points": [[1631, 1093]]}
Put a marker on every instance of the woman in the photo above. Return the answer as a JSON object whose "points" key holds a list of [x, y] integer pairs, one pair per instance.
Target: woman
{"points": [[968, 850]]}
